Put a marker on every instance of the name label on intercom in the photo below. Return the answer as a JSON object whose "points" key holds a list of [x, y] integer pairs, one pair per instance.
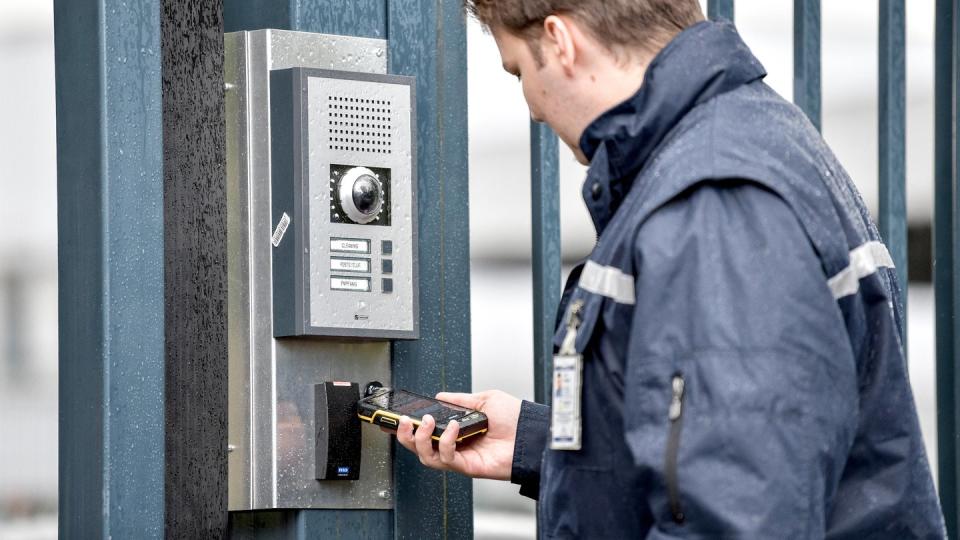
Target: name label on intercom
{"points": [[350, 284], [350, 265], [349, 246]]}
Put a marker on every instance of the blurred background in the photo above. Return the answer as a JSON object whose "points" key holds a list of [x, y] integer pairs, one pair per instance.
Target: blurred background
{"points": [[500, 226]]}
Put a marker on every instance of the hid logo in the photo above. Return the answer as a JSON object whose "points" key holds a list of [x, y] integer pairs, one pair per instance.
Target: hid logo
{"points": [[343, 471]]}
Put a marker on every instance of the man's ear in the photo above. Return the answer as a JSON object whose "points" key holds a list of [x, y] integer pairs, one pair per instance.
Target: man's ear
{"points": [[559, 42]]}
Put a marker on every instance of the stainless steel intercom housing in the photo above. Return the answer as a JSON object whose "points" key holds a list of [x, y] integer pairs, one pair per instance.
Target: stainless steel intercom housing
{"points": [[322, 256], [342, 150]]}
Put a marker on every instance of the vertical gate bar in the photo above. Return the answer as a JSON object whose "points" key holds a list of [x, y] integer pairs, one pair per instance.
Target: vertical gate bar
{"points": [[893, 176], [806, 58], [545, 197], [952, 134], [720, 9], [427, 39], [943, 264], [110, 268]]}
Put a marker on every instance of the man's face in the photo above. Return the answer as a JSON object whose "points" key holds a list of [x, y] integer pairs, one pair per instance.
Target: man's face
{"points": [[550, 94]]}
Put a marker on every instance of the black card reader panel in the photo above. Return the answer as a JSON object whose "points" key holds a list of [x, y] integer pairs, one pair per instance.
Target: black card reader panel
{"points": [[338, 437]]}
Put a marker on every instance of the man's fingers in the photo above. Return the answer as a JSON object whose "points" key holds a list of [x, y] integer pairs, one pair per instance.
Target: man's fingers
{"points": [[421, 442], [424, 442], [405, 434], [448, 443], [471, 401]]}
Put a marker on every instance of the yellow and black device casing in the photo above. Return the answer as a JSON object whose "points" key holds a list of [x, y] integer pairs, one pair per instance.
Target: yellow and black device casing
{"points": [[385, 407]]}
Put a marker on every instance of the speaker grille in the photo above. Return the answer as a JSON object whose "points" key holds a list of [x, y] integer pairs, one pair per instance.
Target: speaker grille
{"points": [[360, 124]]}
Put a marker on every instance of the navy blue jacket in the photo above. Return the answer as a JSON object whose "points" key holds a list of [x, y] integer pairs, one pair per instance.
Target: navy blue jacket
{"points": [[739, 320]]}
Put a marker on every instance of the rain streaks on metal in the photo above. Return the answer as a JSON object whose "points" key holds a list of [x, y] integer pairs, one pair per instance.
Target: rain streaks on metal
{"points": [[111, 268]]}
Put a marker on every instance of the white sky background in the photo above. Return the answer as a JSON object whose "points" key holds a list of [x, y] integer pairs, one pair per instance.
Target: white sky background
{"points": [[28, 225]]}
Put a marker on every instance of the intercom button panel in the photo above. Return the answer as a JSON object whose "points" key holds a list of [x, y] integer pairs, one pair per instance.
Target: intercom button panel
{"points": [[344, 204]]}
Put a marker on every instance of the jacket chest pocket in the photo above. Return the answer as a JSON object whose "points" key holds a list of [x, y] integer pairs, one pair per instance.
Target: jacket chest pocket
{"points": [[719, 434]]}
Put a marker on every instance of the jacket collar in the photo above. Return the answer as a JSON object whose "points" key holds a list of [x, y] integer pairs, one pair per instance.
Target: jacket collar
{"points": [[702, 62]]}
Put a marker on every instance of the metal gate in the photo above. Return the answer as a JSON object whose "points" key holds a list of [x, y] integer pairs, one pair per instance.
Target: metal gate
{"points": [[140, 116]]}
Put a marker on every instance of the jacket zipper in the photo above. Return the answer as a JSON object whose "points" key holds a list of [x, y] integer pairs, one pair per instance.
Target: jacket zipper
{"points": [[673, 448]]}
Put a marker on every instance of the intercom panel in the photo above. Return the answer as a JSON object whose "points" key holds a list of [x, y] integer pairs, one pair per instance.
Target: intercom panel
{"points": [[344, 205]]}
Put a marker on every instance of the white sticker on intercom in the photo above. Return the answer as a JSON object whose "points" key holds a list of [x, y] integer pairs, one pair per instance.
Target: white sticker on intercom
{"points": [[565, 424], [280, 230]]}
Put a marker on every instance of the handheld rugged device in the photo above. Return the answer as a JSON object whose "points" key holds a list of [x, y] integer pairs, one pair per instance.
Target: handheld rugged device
{"points": [[385, 406]]}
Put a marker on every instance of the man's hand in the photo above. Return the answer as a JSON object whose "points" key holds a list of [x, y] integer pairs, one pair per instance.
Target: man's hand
{"points": [[482, 456]]}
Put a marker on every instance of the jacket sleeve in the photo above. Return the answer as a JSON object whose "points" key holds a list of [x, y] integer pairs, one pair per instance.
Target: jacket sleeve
{"points": [[533, 427], [740, 380]]}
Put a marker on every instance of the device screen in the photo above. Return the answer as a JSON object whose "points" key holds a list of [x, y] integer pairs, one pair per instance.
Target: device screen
{"points": [[416, 406]]}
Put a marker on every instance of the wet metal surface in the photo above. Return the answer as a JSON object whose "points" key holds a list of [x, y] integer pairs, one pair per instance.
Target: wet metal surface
{"points": [[271, 424]]}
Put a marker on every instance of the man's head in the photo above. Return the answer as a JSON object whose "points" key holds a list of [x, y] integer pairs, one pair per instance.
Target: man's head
{"points": [[578, 58]]}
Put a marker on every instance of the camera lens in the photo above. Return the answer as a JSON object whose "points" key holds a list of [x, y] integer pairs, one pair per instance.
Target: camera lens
{"points": [[367, 195]]}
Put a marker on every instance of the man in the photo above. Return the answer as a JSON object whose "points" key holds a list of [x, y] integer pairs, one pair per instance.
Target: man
{"points": [[738, 320]]}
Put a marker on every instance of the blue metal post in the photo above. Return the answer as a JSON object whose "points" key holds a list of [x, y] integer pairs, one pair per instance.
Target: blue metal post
{"points": [[545, 196], [806, 58], [893, 123], [944, 263], [428, 40], [287, 525], [720, 9], [111, 260], [364, 18]]}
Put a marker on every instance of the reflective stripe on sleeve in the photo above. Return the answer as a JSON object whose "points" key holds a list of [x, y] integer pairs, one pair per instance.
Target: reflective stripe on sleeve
{"points": [[608, 281], [864, 261]]}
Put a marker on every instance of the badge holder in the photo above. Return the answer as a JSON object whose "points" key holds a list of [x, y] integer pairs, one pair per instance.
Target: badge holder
{"points": [[566, 423]]}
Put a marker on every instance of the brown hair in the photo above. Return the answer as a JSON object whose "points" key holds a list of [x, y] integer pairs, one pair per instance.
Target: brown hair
{"points": [[617, 24]]}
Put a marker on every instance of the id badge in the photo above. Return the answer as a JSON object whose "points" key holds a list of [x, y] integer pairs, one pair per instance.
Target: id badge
{"points": [[565, 424]]}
